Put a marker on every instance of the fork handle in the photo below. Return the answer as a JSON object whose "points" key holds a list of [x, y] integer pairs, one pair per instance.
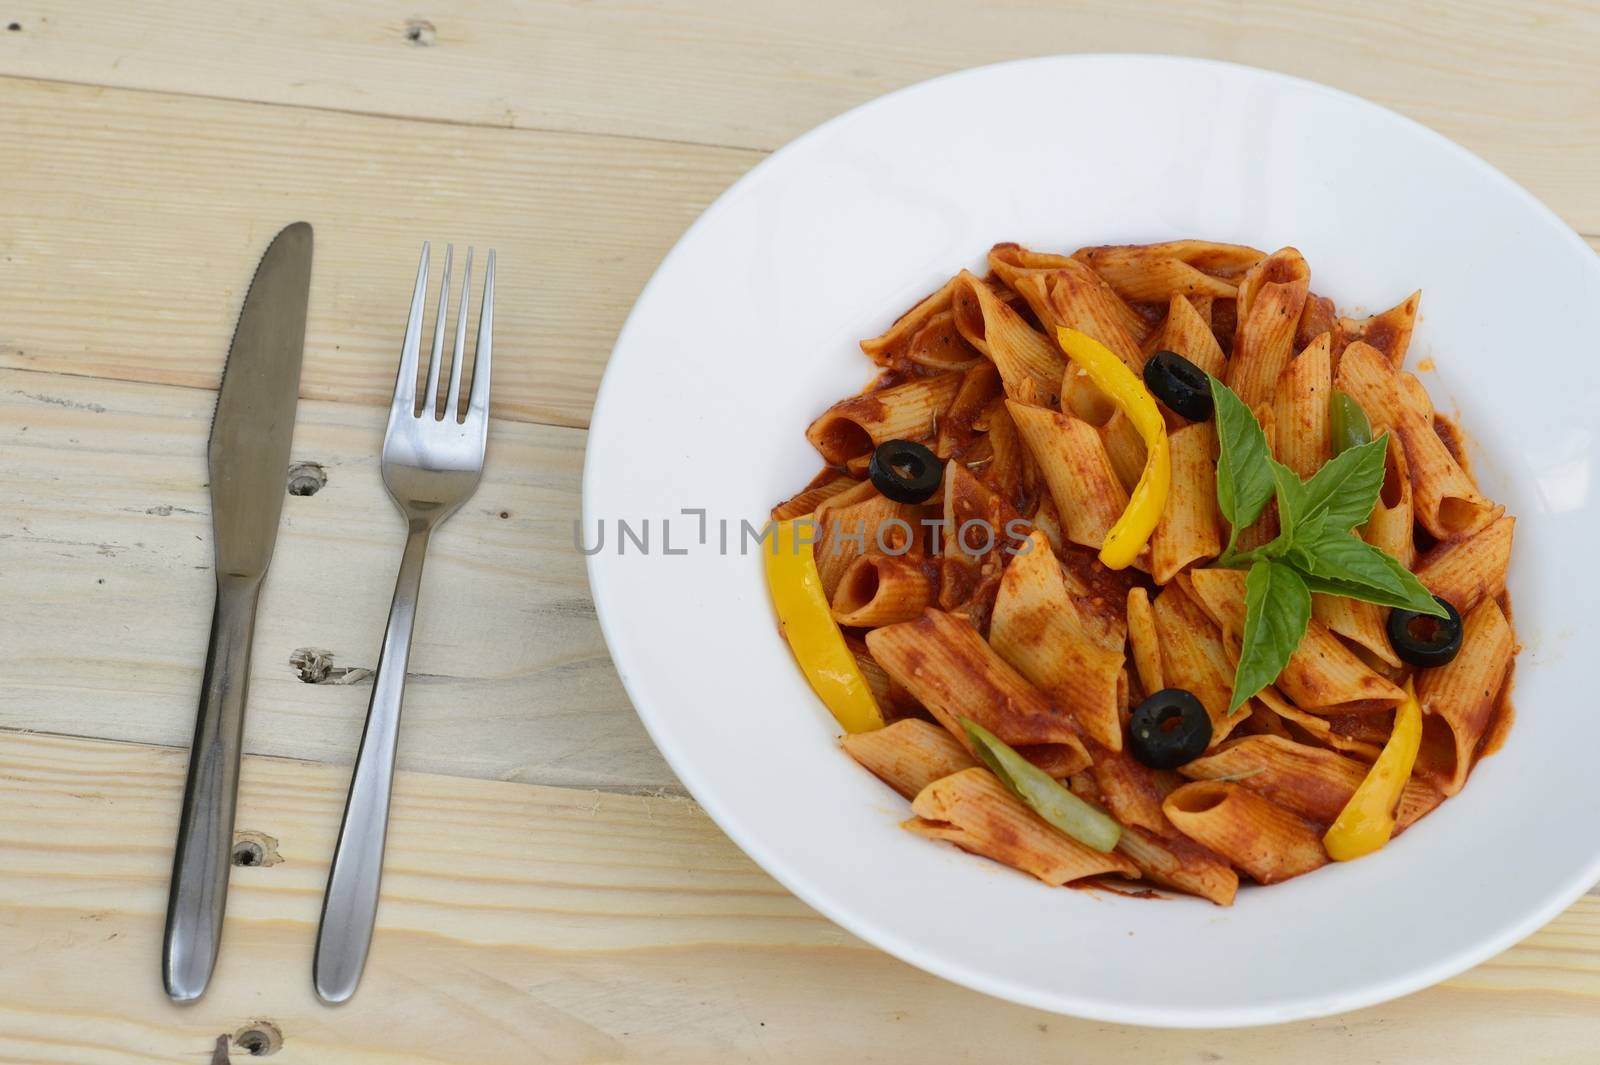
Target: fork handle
{"points": [[350, 906], [203, 856]]}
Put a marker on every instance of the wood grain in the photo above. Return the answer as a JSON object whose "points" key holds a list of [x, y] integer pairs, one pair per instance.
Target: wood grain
{"points": [[140, 278], [1513, 82], [529, 924], [105, 543]]}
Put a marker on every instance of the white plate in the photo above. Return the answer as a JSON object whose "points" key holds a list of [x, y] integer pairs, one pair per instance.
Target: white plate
{"points": [[749, 329]]}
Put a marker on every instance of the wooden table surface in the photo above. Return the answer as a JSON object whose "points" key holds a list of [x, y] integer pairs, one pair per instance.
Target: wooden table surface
{"points": [[552, 895]]}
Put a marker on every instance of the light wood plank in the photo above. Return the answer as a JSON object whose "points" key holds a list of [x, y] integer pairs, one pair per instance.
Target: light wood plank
{"points": [[105, 544], [140, 278], [1513, 82], [528, 924]]}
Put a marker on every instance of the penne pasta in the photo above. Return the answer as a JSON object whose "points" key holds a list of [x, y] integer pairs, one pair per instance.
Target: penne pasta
{"points": [[1038, 629], [908, 755], [853, 427], [1081, 300], [848, 530], [1175, 861], [1268, 842], [1190, 529], [1189, 334], [886, 348], [893, 701], [1143, 643], [882, 590], [1030, 363], [1073, 460], [1193, 658], [1153, 273], [1312, 782], [1389, 332], [1391, 526], [1445, 500], [1359, 622], [961, 425], [943, 662], [826, 485], [1322, 674], [1459, 699], [1300, 410], [1316, 317], [1271, 296], [973, 810], [1131, 792], [1466, 572]]}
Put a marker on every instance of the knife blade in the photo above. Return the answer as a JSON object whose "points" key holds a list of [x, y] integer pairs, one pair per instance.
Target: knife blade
{"points": [[248, 459]]}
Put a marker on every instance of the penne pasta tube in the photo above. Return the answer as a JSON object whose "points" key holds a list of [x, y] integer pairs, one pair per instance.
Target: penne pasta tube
{"points": [[1143, 642], [1082, 301], [1359, 622], [1313, 782], [1466, 572], [1032, 274], [1459, 699], [884, 349], [973, 810], [1190, 527], [1153, 273], [960, 426], [1322, 675], [880, 590], [1317, 317], [853, 427], [1022, 354], [1391, 526], [1174, 861], [1445, 500], [893, 701], [1130, 791], [1039, 630], [1300, 410], [943, 662], [1193, 658], [908, 755], [1071, 456], [1389, 332], [1268, 842], [826, 485], [846, 531], [1124, 447], [1271, 296], [1189, 334], [940, 347]]}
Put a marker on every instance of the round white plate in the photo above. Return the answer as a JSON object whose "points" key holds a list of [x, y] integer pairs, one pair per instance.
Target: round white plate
{"points": [[748, 330]]}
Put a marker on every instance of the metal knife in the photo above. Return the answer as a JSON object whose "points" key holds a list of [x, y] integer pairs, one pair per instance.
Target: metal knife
{"points": [[249, 462]]}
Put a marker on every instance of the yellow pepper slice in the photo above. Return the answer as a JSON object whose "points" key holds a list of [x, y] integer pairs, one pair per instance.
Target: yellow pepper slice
{"points": [[1367, 820], [813, 635], [1133, 529]]}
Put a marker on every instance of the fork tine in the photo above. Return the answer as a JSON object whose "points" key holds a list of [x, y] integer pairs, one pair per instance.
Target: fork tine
{"points": [[405, 381], [480, 367], [452, 403], [430, 398]]}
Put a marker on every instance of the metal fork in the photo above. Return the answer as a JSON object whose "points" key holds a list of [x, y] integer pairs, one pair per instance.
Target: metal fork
{"points": [[432, 461]]}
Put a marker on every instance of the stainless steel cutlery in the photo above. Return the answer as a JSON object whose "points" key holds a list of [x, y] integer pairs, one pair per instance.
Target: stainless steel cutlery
{"points": [[432, 460], [249, 462]]}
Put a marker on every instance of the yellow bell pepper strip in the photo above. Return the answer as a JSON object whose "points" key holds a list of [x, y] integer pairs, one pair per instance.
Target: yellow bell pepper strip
{"points": [[1132, 531], [1367, 820], [813, 635]]}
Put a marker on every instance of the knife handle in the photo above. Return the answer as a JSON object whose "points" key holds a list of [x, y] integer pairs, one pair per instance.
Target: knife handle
{"points": [[350, 906], [204, 854]]}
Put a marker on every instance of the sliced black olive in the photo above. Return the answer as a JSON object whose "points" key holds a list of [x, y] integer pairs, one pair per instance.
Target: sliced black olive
{"points": [[1424, 640], [1180, 384], [1169, 729], [905, 471]]}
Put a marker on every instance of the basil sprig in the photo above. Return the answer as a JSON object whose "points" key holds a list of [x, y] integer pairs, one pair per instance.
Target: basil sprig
{"points": [[1316, 549]]}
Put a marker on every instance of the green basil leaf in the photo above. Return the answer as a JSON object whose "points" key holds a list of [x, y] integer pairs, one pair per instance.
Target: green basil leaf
{"points": [[1347, 486], [1340, 563], [1244, 471], [1277, 610]]}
